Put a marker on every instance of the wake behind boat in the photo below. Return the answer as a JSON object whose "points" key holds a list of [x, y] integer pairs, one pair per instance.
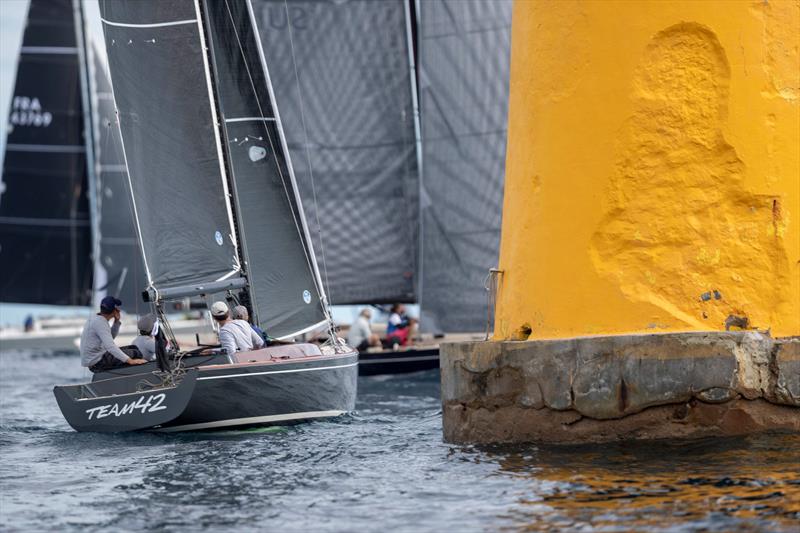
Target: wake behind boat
{"points": [[217, 214]]}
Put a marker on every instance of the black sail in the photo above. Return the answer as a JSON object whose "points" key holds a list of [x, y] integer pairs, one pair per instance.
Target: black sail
{"points": [[285, 298], [119, 269], [158, 73], [45, 239], [348, 115], [464, 49]]}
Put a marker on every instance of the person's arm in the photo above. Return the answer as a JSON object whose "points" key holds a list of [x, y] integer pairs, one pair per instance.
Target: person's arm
{"points": [[108, 344], [227, 341], [115, 327], [258, 342]]}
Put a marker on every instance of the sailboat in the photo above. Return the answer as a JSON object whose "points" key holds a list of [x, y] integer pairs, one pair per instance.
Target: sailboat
{"points": [[217, 215], [395, 113]]}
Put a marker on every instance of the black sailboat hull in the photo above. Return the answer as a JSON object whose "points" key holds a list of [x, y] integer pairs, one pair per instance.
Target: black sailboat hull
{"points": [[398, 361], [216, 395], [236, 396]]}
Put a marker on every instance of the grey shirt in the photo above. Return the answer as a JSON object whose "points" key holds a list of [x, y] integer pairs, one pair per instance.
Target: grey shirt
{"points": [[359, 332], [98, 338], [239, 336], [147, 346]]}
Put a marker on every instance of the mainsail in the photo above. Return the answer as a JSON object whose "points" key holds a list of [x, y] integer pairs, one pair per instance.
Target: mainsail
{"points": [[45, 234], [464, 49], [344, 87], [212, 188]]}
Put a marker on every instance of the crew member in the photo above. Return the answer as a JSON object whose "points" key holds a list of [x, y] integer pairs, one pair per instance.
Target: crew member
{"points": [[145, 342], [240, 313], [360, 335], [98, 350], [398, 330], [234, 335]]}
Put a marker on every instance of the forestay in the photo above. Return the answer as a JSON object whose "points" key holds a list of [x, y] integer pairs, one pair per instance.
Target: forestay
{"points": [[284, 290], [160, 83], [464, 49], [342, 81], [45, 234]]}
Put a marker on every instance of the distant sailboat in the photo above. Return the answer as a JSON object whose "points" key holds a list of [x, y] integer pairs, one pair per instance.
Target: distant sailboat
{"points": [[66, 228], [217, 213], [409, 207]]}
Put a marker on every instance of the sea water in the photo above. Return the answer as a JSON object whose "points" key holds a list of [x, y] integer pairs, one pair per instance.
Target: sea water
{"points": [[383, 468]]}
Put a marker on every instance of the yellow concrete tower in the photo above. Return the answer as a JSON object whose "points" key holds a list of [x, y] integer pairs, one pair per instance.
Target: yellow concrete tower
{"points": [[653, 169], [650, 249]]}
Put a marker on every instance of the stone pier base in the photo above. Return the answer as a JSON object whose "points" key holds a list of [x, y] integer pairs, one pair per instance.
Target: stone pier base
{"points": [[596, 389]]}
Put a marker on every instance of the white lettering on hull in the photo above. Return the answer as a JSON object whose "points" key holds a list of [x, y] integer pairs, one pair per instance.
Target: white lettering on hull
{"points": [[148, 404]]}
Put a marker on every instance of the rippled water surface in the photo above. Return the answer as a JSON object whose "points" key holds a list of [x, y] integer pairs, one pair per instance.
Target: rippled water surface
{"points": [[382, 468]]}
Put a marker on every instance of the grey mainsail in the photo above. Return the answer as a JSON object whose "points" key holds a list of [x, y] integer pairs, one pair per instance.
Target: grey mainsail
{"points": [[212, 187], [45, 234], [162, 96], [464, 49], [119, 269], [343, 85]]}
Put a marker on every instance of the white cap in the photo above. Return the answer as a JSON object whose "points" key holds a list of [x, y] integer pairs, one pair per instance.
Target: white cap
{"points": [[219, 309]]}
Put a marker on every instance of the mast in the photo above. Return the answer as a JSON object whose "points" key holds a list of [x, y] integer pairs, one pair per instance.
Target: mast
{"points": [[412, 68], [89, 141]]}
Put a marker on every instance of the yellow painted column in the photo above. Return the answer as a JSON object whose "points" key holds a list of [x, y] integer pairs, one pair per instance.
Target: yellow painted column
{"points": [[653, 168]]}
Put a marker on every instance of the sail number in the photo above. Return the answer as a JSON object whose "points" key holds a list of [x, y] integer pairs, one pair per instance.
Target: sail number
{"points": [[26, 111], [144, 405]]}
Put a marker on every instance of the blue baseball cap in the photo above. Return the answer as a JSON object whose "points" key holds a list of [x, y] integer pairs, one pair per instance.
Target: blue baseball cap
{"points": [[109, 303]]}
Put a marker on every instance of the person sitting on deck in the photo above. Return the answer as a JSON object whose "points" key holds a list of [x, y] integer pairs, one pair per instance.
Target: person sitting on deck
{"points": [[240, 313], [145, 342], [234, 335], [398, 330], [98, 350], [360, 335]]}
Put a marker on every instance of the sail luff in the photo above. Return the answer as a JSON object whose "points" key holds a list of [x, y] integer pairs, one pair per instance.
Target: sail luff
{"points": [[308, 245]]}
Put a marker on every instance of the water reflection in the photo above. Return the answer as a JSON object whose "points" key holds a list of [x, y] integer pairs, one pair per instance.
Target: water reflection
{"points": [[713, 484]]}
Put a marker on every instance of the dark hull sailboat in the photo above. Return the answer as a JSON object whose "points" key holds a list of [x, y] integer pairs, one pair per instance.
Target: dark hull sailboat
{"points": [[217, 215], [214, 393]]}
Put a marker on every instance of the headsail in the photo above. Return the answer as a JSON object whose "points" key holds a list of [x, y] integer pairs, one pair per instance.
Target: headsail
{"points": [[170, 141], [464, 49], [342, 82], [284, 291], [45, 239]]}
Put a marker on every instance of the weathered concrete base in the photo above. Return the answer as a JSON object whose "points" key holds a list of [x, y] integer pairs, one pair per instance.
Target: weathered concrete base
{"points": [[598, 389]]}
